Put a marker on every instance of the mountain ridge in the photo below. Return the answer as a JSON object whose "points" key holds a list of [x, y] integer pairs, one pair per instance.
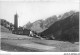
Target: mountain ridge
{"points": [[61, 29]]}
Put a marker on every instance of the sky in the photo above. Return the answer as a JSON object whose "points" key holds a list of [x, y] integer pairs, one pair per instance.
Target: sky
{"points": [[32, 10]]}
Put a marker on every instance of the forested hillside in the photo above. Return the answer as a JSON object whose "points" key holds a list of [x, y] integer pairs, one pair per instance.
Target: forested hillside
{"points": [[65, 29], [6, 26]]}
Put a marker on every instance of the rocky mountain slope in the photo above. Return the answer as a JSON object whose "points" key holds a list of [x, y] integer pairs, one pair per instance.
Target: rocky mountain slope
{"points": [[41, 25]]}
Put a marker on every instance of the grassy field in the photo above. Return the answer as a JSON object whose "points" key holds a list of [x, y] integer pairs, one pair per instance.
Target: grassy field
{"points": [[19, 43]]}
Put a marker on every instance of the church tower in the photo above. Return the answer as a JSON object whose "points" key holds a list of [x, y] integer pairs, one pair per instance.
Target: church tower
{"points": [[16, 21]]}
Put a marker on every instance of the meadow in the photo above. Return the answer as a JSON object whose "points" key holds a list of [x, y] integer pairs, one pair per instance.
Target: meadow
{"points": [[19, 43]]}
